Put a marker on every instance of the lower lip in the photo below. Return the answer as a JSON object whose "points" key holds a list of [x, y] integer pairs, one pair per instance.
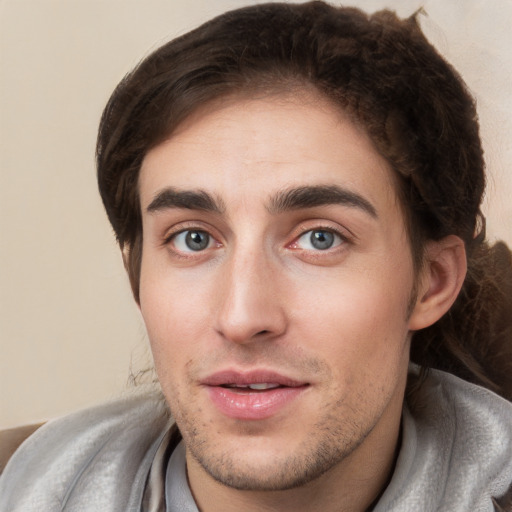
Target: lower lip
{"points": [[257, 405]]}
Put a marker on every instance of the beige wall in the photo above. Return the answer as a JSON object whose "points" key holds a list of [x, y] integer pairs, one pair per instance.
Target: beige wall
{"points": [[68, 328]]}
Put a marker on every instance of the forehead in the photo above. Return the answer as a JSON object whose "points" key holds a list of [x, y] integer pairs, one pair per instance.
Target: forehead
{"points": [[243, 149]]}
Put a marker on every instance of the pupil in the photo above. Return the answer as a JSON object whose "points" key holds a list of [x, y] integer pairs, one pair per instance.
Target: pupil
{"points": [[322, 239], [197, 240]]}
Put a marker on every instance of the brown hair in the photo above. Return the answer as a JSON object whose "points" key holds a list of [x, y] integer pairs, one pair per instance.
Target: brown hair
{"points": [[385, 74]]}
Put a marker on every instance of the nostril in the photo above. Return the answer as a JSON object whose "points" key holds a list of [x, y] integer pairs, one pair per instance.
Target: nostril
{"points": [[262, 332]]}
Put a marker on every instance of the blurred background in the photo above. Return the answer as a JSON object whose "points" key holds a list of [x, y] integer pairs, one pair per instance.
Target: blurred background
{"points": [[69, 330]]}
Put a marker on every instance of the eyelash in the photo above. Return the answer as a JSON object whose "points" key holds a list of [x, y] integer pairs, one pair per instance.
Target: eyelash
{"points": [[196, 231], [342, 240], [188, 228]]}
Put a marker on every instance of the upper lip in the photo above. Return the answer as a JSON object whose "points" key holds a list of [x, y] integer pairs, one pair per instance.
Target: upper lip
{"points": [[243, 378]]}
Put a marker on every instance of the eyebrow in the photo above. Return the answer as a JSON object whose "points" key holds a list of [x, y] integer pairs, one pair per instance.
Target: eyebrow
{"points": [[319, 195], [188, 199], [291, 199]]}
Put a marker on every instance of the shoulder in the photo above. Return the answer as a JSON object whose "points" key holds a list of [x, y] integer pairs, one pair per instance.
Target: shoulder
{"points": [[102, 453], [473, 411], [10, 440], [480, 423], [456, 452]]}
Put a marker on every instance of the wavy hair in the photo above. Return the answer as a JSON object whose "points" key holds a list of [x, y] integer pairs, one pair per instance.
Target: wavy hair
{"points": [[384, 73]]}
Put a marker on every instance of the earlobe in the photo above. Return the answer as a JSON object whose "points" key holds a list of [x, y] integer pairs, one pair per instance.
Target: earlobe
{"points": [[441, 281], [131, 262], [125, 254]]}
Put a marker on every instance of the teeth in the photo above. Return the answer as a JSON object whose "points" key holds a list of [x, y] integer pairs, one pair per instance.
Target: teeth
{"points": [[256, 387], [263, 385]]}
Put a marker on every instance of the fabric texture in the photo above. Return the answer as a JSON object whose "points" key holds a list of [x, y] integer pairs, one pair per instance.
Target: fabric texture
{"points": [[455, 456], [94, 460], [456, 452], [11, 439], [177, 492]]}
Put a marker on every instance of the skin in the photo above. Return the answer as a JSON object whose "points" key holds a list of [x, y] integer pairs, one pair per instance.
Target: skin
{"points": [[261, 297]]}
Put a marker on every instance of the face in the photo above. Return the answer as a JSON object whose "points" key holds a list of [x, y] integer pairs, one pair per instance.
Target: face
{"points": [[275, 283]]}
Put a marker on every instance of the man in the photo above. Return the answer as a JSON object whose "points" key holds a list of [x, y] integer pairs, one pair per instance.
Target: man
{"points": [[296, 192]]}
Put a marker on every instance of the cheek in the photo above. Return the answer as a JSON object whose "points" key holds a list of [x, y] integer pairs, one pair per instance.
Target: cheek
{"points": [[358, 315], [176, 306], [176, 314], [364, 339]]}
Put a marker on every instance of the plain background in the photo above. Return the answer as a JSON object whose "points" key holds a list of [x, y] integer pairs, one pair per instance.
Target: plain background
{"points": [[69, 331]]}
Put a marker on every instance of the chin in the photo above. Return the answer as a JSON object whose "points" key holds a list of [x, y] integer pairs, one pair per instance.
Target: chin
{"points": [[261, 468]]}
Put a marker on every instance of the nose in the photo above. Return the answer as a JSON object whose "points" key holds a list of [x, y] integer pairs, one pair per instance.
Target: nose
{"points": [[250, 299]]}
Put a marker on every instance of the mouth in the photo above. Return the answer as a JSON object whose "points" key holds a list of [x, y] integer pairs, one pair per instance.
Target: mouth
{"points": [[263, 386], [252, 395], [254, 379]]}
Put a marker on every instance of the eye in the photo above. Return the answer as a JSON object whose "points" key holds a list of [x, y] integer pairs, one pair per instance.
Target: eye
{"points": [[318, 240], [192, 240]]}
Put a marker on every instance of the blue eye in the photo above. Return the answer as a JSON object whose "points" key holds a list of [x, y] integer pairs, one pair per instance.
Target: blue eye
{"points": [[319, 240], [192, 240]]}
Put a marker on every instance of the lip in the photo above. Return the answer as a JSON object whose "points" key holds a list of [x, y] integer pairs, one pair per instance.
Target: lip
{"points": [[243, 378], [247, 404]]}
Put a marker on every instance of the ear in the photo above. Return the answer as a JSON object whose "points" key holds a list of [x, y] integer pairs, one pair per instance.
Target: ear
{"points": [[133, 277], [440, 281], [125, 254]]}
